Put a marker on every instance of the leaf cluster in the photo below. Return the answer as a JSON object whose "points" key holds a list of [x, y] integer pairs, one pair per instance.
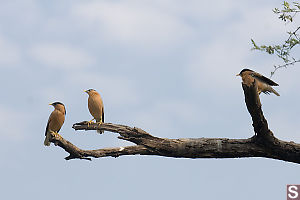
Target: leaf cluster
{"points": [[287, 14]]}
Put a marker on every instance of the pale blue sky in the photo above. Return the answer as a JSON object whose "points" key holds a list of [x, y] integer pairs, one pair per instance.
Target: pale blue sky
{"points": [[165, 66]]}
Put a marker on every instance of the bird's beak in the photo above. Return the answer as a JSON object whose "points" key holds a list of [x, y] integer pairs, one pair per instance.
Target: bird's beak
{"points": [[50, 104], [238, 75], [85, 91]]}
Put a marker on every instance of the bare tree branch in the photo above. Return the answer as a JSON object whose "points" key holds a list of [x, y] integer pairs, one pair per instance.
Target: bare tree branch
{"points": [[262, 144], [76, 152], [276, 67]]}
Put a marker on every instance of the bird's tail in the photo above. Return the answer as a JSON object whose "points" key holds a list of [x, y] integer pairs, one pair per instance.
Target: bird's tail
{"points": [[274, 91], [99, 131], [47, 140]]}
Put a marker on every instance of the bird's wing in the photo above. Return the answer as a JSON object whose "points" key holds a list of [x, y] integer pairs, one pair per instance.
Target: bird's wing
{"points": [[61, 114], [102, 114], [47, 127], [263, 79]]}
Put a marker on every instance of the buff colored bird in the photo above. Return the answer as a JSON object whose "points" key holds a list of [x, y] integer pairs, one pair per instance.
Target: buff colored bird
{"points": [[96, 108], [55, 121], [263, 83]]}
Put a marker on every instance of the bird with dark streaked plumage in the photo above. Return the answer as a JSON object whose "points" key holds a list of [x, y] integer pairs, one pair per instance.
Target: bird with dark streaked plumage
{"points": [[96, 108], [55, 121], [263, 83]]}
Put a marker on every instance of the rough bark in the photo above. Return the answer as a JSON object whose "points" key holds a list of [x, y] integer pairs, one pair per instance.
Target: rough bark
{"points": [[262, 144]]}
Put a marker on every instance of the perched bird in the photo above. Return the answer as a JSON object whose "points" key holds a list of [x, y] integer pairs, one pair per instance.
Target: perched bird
{"points": [[263, 83], [95, 105], [55, 121]]}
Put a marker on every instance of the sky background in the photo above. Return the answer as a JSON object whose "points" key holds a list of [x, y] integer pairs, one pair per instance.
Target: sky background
{"points": [[165, 66]]}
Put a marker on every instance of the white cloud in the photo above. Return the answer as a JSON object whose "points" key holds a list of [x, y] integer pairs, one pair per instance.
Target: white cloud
{"points": [[132, 22], [167, 117], [197, 10], [285, 126], [61, 56], [20, 14], [214, 66], [217, 61], [115, 89], [49, 94], [9, 53], [262, 25], [13, 124]]}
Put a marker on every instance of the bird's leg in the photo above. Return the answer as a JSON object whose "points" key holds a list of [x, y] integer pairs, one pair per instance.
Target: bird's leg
{"points": [[89, 122], [259, 92], [56, 134], [99, 123]]}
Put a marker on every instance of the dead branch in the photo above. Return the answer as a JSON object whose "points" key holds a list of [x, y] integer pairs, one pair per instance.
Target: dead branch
{"points": [[262, 144]]}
